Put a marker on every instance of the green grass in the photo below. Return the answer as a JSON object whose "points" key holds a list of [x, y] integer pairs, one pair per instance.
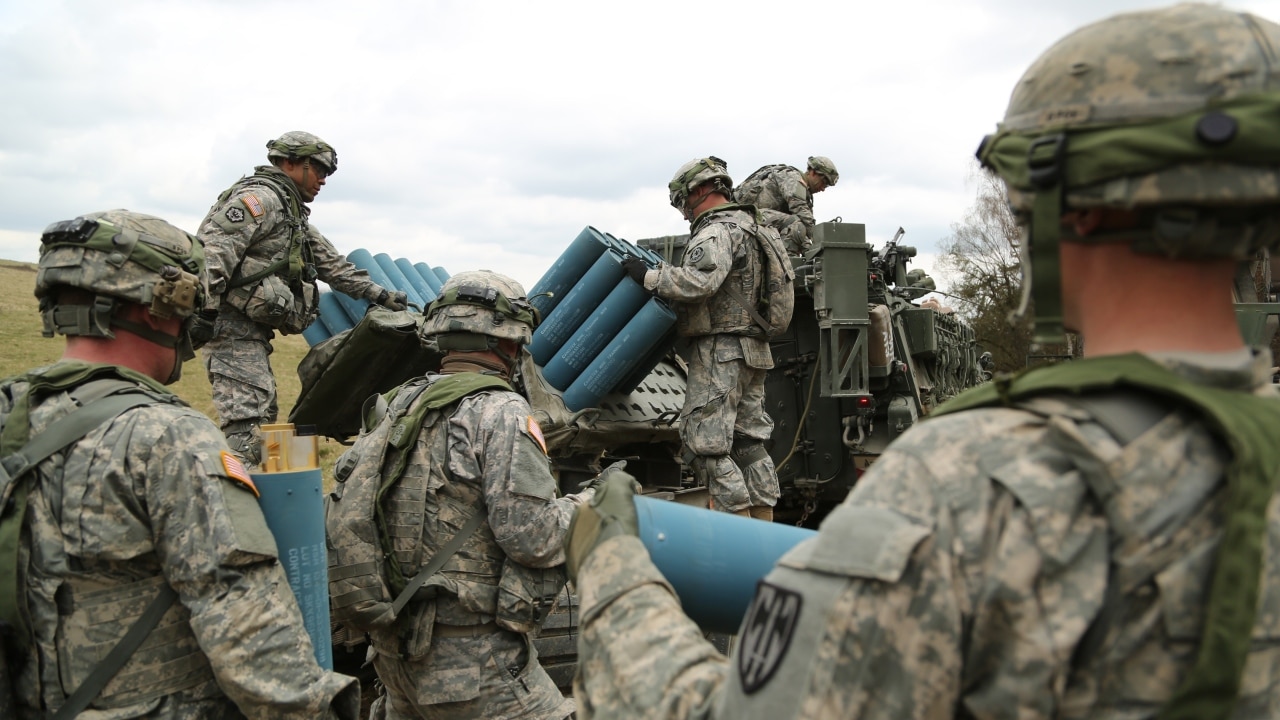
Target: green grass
{"points": [[24, 348]]}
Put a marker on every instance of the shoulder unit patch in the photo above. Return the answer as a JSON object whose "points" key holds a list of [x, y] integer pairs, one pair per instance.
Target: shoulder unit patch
{"points": [[254, 204], [234, 214], [766, 634]]}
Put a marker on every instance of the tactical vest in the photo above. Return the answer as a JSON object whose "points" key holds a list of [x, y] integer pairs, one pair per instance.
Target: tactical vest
{"points": [[756, 190], [1248, 425], [722, 313], [95, 613], [275, 282]]}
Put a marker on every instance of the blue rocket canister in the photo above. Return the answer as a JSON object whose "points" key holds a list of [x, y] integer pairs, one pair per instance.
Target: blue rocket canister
{"points": [[625, 351], [398, 280], [415, 279], [594, 334], [567, 270], [334, 315], [316, 332], [353, 308], [364, 260], [578, 303], [290, 485], [441, 273], [632, 381], [713, 559], [432, 279]]}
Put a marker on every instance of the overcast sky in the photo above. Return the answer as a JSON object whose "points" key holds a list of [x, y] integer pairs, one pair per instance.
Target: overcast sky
{"points": [[489, 133]]}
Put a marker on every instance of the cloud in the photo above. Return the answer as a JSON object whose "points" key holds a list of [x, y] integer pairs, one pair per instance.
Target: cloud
{"points": [[489, 134]]}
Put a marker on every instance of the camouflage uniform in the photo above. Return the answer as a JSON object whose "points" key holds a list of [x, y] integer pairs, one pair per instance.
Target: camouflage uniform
{"points": [[496, 465], [141, 501], [781, 189], [244, 232], [959, 578], [723, 423]]}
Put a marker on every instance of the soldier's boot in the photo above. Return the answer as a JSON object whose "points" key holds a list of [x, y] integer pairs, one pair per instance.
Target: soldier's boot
{"points": [[246, 441]]}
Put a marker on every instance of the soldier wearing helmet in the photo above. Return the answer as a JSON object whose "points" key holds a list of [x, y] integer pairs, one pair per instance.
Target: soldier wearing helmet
{"points": [[723, 423], [264, 260], [1093, 539], [784, 196], [128, 515], [462, 648]]}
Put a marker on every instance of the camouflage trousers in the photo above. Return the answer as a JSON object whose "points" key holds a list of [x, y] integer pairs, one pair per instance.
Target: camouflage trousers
{"points": [[495, 676], [724, 426], [238, 360]]}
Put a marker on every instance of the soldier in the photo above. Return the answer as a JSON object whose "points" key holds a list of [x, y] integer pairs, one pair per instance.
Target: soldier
{"points": [[723, 423], [784, 197], [264, 260], [463, 648], [142, 507], [1100, 538]]}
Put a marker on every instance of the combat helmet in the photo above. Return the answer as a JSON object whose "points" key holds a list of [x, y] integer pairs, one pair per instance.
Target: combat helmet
{"points": [[299, 145], [695, 173], [475, 309], [824, 167], [1173, 113], [119, 255]]}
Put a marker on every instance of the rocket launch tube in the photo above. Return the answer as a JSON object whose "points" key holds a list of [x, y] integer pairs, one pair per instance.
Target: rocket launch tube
{"points": [[417, 281], [578, 303], [431, 276], [398, 280], [631, 346], [594, 334], [567, 270], [713, 559], [293, 504]]}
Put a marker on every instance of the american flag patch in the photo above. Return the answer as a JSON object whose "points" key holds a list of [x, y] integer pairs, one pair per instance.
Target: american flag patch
{"points": [[254, 204], [536, 431], [235, 471]]}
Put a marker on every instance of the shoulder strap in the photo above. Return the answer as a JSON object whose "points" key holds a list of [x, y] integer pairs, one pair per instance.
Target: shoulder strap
{"points": [[437, 561], [293, 257]]}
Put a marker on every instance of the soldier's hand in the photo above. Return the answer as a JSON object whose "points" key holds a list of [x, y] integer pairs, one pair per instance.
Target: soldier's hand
{"points": [[610, 513], [200, 328], [617, 467], [398, 300], [635, 267]]}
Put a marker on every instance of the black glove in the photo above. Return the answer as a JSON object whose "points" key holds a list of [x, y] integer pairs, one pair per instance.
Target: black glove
{"points": [[398, 300], [200, 328], [635, 267]]}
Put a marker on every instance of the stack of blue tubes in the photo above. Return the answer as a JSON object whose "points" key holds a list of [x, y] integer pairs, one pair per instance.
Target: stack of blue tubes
{"points": [[339, 312], [601, 332]]}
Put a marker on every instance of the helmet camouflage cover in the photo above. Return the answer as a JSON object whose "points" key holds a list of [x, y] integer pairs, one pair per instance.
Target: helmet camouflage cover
{"points": [[299, 145], [481, 302], [824, 167], [695, 173], [121, 255], [1174, 113]]}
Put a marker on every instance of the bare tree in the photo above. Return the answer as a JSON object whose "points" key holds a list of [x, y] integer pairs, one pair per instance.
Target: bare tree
{"points": [[982, 256]]}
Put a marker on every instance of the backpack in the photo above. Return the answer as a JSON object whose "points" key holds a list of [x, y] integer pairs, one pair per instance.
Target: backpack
{"points": [[367, 586], [775, 300]]}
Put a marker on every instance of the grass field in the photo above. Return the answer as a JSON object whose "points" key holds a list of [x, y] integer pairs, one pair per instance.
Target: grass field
{"points": [[24, 348]]}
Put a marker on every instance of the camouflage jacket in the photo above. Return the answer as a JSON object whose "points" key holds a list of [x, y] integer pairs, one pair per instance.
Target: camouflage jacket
{"points": [[721, 253], [141, 501], [964, 576], [781, 188], [251, 226]]}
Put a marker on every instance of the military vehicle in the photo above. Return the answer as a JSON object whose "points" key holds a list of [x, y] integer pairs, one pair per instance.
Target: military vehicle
{"points": [[861, 362]]}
